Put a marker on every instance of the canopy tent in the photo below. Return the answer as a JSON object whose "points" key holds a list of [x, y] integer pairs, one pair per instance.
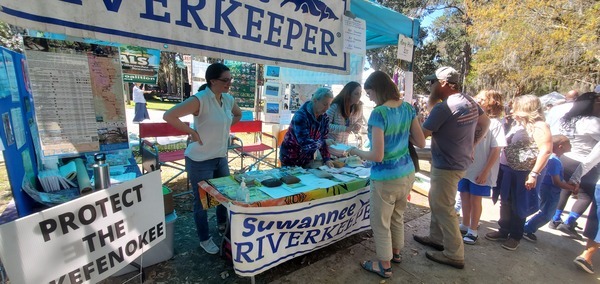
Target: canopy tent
{"points": [[383, 29], [383, 24]]}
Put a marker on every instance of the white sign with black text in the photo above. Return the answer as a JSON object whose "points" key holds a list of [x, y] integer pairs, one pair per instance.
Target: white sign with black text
{"points": [[405, 48], [87, 239], [303, 34], [263, 237], [355, 35]]}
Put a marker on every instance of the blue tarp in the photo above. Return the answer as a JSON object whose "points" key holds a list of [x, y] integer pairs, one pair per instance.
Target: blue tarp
{"points": [[383, 24]]}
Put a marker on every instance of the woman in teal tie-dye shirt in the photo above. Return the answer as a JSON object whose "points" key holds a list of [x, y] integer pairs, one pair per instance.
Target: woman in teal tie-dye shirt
{"points": [[391, 124]]}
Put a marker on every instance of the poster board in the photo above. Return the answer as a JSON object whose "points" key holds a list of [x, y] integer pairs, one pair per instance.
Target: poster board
{"points": [[77, 88], [301, 93], [273, 94], [140, 64], [243, 87], [63, 243], [17, 124]]}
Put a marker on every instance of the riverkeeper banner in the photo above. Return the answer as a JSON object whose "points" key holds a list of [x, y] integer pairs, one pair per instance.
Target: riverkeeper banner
{"points": [[293, 33], [88, 239], [264, 237]]}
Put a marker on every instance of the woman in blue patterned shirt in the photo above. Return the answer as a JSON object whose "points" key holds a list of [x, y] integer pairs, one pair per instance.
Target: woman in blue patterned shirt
{"points": [[391, 124], [308, 131]]}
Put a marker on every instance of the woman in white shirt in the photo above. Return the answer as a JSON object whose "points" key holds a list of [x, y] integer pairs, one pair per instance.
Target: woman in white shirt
{"points": [[214, 111], [141, 112]]}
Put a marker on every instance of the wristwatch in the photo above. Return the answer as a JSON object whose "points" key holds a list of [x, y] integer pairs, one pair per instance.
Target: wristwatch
{"points": [[534, 174]]}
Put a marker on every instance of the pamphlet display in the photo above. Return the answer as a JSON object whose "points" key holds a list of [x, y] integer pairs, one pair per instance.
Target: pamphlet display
{"points": [[77, 90]]}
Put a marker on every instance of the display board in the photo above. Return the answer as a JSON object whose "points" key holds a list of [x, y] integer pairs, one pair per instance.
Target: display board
{"points": [[17, 124], [243, 87], [299, 94], [77, 89], [140, 64]]}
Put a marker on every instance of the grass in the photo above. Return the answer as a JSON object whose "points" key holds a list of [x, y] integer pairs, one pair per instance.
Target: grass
{"points": [[5, 192], [155, 104]]}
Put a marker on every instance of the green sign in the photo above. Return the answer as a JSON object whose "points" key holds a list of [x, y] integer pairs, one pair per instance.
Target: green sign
{"points": [[140, 64]]}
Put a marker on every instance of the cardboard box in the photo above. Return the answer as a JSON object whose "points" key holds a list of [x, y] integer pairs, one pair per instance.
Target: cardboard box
{"points": [[162, 251]]}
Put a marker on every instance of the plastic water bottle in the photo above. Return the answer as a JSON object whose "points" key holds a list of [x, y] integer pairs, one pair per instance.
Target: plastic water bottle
{"points": [[242, 191], [245, 190]]}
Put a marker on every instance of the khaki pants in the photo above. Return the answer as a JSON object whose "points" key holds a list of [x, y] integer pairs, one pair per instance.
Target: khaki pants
{"points": [[444, 223], [388, 202]]}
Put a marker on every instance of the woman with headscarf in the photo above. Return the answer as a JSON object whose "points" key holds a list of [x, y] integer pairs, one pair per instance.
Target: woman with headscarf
{"points": [[308, 132]]}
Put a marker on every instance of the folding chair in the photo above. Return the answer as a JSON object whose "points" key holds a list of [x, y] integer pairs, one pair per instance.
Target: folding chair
{"points": [[155, 156], [258, 151]]}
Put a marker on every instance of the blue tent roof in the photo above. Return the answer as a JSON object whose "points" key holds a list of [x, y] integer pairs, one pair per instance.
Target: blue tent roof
{"points": [[383, 24]]}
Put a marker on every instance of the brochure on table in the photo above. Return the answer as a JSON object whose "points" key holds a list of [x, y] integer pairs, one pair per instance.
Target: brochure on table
{"points": [[228, 186]]}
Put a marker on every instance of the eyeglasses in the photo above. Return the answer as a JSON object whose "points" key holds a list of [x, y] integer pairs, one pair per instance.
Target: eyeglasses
{"points": [[225, 80]]}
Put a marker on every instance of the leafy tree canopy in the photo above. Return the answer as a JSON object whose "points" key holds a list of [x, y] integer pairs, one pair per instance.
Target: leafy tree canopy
{"points": [[533, 46]]}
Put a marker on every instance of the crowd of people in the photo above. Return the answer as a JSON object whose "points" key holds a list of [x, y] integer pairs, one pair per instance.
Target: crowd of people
{"points": [[531, 162]]}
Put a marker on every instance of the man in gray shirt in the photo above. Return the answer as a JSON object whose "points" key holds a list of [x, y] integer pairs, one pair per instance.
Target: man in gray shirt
{"points": [[456, 123]]}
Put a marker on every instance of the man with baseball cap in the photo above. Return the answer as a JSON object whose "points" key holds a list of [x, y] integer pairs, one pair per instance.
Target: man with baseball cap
{"points": [[456, 124]]}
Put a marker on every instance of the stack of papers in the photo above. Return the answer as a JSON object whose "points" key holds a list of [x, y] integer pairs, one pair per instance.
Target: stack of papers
{"points": [[52, 180]]}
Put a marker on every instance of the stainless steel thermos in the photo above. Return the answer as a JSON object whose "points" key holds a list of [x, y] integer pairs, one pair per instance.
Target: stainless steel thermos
{"points": [[101, 172]]}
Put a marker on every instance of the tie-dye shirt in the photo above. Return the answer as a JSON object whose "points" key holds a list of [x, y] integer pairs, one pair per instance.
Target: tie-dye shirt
{"points": [[395, 123], [306, 135]]}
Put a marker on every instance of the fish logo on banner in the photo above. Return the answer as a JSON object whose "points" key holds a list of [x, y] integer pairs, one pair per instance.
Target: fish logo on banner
{"points": [[314, 7]]}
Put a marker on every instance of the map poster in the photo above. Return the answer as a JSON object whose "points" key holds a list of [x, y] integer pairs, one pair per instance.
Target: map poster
{"points": [[299, 94], [140, 64], [243, 86], [78, 95]]}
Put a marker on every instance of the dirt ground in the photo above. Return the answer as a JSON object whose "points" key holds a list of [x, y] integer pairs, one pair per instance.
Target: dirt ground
{"points": [[191, 264]]}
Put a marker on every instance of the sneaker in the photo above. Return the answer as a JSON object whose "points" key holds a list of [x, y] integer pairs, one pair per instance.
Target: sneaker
{"points": [[554, 224], [496, 236], [530, 237], [510, 244], [209, 246], [470, 239], [586, 266], [569, 230]]}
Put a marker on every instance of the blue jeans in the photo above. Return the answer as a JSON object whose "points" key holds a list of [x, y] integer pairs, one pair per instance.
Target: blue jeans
{"points": [[205, 170], [591, 227], [549, 196]]}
